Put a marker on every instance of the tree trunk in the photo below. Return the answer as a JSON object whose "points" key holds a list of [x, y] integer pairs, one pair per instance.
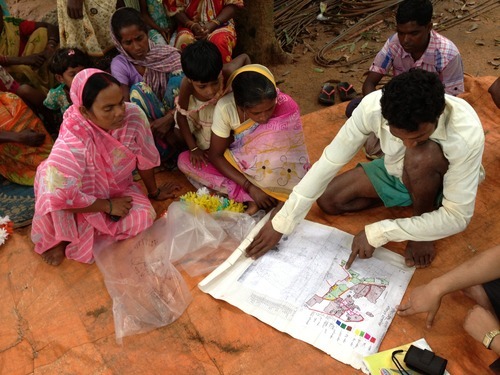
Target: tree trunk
{"points": [[256, 36]]}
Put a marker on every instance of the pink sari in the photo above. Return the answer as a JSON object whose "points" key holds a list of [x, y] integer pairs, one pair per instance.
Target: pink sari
{"points": [[272, 156], [87, 163]]}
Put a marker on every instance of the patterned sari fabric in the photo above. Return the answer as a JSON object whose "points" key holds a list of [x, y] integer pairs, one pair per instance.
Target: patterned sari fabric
{"points": [[142, 95], [154, 107], [11, 45], [7, 82], [224, 37], [162, 79], [272, 156], [89, 34], [18, 162], [89, 163], [158, 13], [5, 9], [160, 62]]}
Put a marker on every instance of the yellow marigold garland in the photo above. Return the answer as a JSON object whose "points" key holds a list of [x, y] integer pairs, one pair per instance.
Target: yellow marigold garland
{"points": [[212, 203]]}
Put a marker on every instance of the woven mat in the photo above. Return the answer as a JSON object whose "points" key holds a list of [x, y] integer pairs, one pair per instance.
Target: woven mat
{"points": [[17, 201]]}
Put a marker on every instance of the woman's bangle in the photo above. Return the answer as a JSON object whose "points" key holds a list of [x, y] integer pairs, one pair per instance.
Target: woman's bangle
{"points": [[216, 21], [189, 25], [155, 194], [110, 206], [194, 149]]}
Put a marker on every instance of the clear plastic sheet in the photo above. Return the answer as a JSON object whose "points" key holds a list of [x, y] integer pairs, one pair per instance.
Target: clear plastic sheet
{"points": [[201, 241], [147, 290]]}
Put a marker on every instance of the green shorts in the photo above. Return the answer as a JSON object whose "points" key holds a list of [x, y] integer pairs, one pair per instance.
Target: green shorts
{"points": [[389, 188]]}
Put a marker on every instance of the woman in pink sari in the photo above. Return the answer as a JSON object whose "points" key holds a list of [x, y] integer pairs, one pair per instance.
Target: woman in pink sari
{"points": [[85, 187], [257, 149]]}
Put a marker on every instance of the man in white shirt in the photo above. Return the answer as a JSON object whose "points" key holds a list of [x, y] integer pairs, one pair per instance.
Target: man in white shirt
{"points": [[433, 145], [479, 277]]}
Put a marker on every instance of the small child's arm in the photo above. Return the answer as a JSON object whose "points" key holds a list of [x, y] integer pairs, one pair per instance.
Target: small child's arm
{"points": [[196, 156], [236, 63]]}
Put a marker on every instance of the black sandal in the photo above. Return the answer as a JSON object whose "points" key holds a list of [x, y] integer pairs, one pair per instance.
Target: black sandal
{"points": [[346, 91], [327, 94]]}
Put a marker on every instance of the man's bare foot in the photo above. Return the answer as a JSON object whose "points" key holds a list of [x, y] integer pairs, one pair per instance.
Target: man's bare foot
{"points": [[55, 256], [478, 294], [419, 254], [252, 208]]}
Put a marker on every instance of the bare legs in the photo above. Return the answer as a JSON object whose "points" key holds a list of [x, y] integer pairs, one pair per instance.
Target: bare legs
{"points": [[478, 294], [351, 191], [423, 171], [55, 256]]}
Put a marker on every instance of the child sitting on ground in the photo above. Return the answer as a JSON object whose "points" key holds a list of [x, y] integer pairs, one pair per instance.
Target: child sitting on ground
{"points": [[65, 64], [203, 84]]}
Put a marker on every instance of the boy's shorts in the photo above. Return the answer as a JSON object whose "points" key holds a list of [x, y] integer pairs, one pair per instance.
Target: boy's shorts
{"points": [[389, 188]]}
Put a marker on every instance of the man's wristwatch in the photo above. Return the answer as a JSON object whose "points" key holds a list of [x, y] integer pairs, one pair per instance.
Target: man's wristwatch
{"points": [[488, 338]]}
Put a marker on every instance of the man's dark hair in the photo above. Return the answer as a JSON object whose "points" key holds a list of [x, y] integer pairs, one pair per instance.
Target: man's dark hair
{"points": [[412, 98], [419, 11], [201, 61]]}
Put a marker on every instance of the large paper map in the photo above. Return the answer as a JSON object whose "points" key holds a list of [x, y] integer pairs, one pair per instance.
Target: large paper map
{"points": [[304, 289]]}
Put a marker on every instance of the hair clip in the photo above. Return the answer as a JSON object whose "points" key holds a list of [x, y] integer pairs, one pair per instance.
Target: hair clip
{"points": [[71, 52]]}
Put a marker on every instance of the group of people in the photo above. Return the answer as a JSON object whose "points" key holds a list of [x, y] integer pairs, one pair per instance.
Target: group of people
{"points": [[427, 146], [226, 125], [84, 24], [155, 105]]}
